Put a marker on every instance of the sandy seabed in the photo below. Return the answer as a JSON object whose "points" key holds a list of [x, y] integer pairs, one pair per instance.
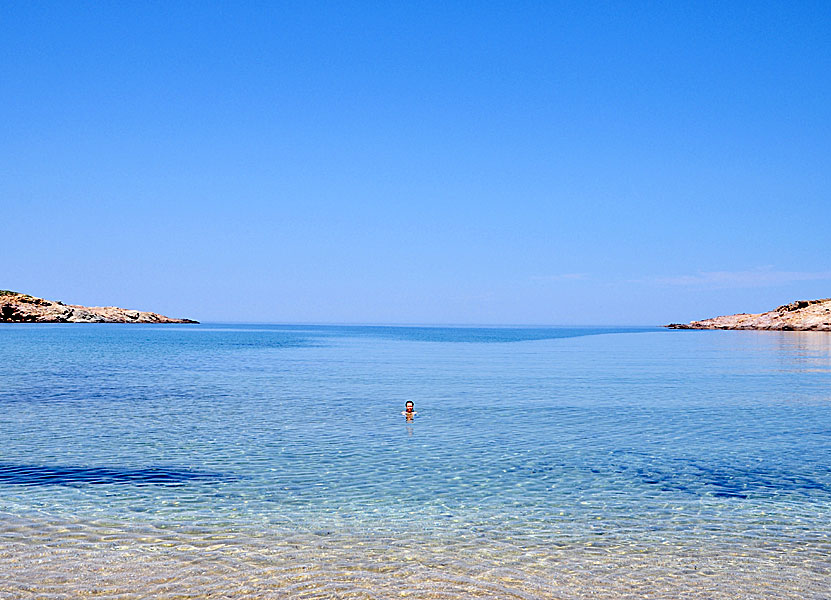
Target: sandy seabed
{"points": [[50, 559]]}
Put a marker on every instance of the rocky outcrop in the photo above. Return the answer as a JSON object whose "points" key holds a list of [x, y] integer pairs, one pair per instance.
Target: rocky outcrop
{"points": [[802, 315], [22, 308]]}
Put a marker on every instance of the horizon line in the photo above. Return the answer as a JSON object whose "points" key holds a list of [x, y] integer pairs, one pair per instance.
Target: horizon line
{"points": [[432, 325]]}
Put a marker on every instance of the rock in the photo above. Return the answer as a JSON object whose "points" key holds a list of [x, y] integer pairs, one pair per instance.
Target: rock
{"points": [[23, 308], [802, 315]]}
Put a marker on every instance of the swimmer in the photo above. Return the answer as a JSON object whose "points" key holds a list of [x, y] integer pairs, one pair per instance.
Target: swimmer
{"points": [[409, 410]]}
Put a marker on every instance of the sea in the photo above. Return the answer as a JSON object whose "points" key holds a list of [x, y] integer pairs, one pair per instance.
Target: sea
{"points": [[273, 461]]}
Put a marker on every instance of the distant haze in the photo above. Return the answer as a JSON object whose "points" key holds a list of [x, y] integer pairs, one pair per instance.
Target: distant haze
{"points": [[506, 163]]}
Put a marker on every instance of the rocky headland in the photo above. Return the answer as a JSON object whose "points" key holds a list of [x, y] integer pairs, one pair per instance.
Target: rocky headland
{"points": [[802, 315], [23, 308]]}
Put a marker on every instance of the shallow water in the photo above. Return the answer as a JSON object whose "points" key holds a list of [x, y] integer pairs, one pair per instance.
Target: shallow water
{"points": [[272, 461]]}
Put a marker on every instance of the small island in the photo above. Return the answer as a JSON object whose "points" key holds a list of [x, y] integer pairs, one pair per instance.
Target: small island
{"points": [[23, 308], [802, 315]]}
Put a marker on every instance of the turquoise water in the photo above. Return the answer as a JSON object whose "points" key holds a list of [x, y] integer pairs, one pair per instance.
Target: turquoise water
{"points": [[273, 461]]}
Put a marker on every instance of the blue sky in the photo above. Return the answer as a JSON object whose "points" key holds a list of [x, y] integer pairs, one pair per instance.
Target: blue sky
{"points": [[447, 162]]}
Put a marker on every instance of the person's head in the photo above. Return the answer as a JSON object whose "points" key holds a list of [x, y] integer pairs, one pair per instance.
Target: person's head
{"points": [[409, 406]]}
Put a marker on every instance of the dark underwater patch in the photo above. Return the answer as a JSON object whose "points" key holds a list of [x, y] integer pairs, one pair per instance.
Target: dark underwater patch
{"points": [[729, 481], [40, 475], [692, 477]]}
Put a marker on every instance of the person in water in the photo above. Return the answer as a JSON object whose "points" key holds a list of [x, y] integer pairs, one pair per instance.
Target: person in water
{"points": [[409, 410]]}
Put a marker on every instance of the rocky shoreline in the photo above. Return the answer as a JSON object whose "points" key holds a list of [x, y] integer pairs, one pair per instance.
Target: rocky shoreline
{"points": [[802, 315], [23, 308]]}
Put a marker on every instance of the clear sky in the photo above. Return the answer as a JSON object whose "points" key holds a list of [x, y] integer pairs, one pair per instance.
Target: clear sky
{"points": [[391, 162]]}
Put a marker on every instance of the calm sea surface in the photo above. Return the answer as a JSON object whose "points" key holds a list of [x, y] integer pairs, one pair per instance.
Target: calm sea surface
{"points": [[249, 461]]}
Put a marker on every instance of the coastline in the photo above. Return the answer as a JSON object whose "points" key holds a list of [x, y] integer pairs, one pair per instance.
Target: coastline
{"points": [[16, 307], [801, 315]]}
